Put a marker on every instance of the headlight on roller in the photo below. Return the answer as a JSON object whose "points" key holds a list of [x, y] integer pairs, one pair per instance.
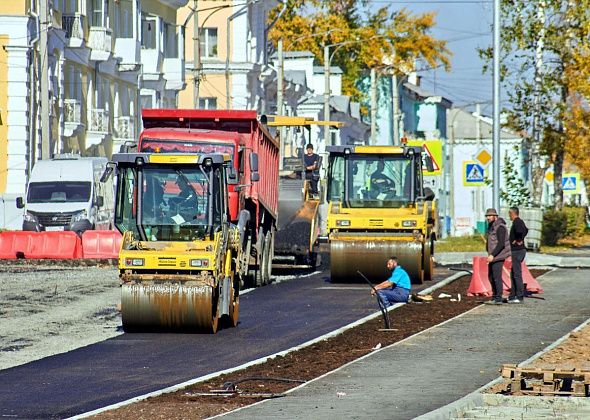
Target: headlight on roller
{"points": [[200, 263], [135, 262], [342, 222], [78, 217], [409, 223]]}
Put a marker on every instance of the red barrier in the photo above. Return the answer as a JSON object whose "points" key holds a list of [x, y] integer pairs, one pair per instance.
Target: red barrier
{"points": [[480, 284], [40, 245], [56, 245], [101, 243], [13, 243]]}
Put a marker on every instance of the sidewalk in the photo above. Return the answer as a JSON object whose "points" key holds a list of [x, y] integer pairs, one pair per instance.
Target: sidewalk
{"points": [[441, 365], [573, 260]]}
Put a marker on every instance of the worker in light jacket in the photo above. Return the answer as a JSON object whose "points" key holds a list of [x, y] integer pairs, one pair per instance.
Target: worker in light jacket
{"points": [[498, 248], [518, 232]]}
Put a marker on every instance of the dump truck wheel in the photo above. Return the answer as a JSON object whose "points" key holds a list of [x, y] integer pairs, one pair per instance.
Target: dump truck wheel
{"points": [[267, 257], [259, 269]]}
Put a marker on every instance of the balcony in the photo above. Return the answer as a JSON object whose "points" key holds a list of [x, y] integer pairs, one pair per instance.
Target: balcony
{"points": [[72, 117], [99, 120], [100, 40], [124, 128], [129, 51], [73, 25], [174, 73]]}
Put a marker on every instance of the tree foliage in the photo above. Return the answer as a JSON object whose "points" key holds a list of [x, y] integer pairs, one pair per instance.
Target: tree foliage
{"points": [[386, 40], [514, 191], [544, 72]]}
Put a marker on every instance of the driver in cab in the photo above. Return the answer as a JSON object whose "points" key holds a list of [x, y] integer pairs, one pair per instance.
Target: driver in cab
{"points": [[381, 184]]}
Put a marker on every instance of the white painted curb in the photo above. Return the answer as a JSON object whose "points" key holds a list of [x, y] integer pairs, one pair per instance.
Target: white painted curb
{"points": [[261, 360]]}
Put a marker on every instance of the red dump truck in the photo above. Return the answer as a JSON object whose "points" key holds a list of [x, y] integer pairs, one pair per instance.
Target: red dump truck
{"points": [[252, 205]]}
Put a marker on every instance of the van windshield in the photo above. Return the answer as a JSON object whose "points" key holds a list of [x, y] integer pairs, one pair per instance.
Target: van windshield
{"points": [[59, 192]]}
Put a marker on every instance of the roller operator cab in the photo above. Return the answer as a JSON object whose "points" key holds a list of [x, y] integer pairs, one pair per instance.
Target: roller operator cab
{"points": [[378, 208], [179, 251]]}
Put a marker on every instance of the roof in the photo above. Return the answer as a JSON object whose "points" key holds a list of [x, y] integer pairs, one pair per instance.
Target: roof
{"points": [[293, 54], [463, 125], [424, 94], [333, 70]]}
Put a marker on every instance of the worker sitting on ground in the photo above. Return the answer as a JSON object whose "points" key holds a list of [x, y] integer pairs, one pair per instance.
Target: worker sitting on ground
{"points": [[397, 287], [381, 184]]}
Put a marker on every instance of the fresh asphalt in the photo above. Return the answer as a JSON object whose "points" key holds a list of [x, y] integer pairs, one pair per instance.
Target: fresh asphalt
{"points": [[272, 319], [440, 365]]}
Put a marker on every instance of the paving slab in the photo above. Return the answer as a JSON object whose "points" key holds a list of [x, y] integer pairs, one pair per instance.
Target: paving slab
{"points": [[442, 364]]}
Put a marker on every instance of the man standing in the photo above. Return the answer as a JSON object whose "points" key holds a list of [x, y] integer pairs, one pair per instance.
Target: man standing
{"points": [[518, 231], [312, 165], [498, 248], [397, 287]]}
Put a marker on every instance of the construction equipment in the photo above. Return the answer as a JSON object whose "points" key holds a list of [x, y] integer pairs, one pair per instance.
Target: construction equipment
{"points": [[378, 208], [180, 253], [298, 223], [253, 206]]}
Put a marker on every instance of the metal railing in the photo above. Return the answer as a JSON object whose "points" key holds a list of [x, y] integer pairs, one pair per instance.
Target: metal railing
{"points": [[99, 120], [124, 128], [100, 39], [72, 111], [73, 25]]}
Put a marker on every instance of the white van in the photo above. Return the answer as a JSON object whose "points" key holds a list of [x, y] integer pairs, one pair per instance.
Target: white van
{"points": [[65, 193]]}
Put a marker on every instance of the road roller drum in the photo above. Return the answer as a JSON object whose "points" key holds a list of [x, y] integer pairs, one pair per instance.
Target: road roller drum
{"points": [[369, 255], [170, 306]]}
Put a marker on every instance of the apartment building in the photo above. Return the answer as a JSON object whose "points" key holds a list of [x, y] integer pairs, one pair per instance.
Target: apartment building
{"points": [[231, 53], [106, 60]]}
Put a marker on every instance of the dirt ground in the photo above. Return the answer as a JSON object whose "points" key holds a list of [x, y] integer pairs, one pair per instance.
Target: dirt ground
{"points": [[48, 309], [303, 365]]}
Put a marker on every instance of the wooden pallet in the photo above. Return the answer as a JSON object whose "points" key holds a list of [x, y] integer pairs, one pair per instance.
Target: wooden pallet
{"points": [[547, 381]]}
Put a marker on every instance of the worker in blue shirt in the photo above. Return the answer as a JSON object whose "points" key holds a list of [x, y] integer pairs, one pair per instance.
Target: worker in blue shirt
{"points": [[396, 288]]}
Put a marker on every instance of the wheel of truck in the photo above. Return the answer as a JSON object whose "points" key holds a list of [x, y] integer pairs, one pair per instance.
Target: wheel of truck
{"points": [[267, 257], [428, 260], [234, 309], [259, 269]]}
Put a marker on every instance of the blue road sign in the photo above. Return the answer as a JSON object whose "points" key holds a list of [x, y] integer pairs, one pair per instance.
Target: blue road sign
{"points": [[474, 174], [569, 182]]}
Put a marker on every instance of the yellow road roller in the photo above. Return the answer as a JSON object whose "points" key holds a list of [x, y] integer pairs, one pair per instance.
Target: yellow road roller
{"points": [[179, 251], [378, 208]]}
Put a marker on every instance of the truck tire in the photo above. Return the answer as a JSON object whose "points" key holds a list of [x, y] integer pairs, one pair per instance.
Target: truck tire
{"points": [[267, 257], [259, 268]]}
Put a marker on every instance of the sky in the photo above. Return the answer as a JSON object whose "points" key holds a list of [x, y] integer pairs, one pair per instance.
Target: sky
{"points": [[466, 25]]}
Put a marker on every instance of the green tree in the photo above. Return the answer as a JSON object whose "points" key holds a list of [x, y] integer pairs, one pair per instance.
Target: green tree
{"points": [[540, 41], [382, 39], [515, 193]]}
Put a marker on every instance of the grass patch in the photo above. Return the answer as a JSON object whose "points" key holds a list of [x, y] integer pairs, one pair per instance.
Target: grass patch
{"points": [[473, 243], [566, 244]]}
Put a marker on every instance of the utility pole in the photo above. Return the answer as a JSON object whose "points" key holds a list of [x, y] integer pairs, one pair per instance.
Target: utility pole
{"points": [[496, 100], [280, 77], [373, 106], [196, 54], [44, 79], [395, 108], [328, 139]]}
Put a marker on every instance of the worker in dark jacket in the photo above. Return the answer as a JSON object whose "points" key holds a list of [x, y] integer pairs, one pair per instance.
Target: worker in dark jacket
{"points": [[498, 247], [518, 232], [312, 165]]}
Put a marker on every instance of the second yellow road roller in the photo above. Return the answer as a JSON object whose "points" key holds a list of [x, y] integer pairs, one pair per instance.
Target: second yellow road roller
{"points": [[378, 208], [179, 253]]}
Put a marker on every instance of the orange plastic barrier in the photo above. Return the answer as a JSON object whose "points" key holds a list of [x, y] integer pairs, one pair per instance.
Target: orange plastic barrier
{"points": [[16, 243], [101, 243], [480, 284], [40, 245], [55, 245]]}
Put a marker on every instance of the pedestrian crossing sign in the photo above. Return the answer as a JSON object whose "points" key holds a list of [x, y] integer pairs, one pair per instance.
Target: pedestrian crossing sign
{"points": [[473, 174], [570, 183]]}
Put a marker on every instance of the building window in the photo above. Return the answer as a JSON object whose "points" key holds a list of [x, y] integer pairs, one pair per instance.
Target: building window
{"points": [[207, 103], [123, 20], [99, 13], [170, 41], [208, 42], [148, 33]]}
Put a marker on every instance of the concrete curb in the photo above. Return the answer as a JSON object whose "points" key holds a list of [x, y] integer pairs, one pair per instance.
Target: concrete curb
{"points": [[261, 360], [476, 398], [532, 259]]}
